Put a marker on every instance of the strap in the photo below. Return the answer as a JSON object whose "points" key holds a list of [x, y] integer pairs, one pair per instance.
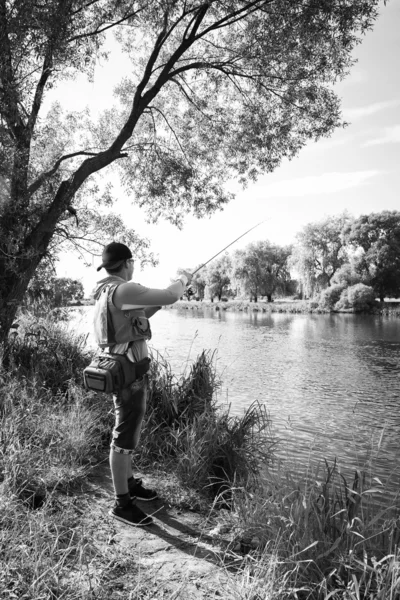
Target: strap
{"points": [[110, 327]]}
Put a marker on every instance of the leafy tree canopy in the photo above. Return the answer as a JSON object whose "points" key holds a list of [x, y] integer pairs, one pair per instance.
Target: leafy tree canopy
{"points": [[320, 251], [261, 268], [377, 236], [218, 275], [217, 90]]}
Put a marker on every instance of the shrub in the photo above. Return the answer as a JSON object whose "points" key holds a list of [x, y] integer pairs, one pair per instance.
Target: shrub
{"points": [[346, 275], [47, 441], [44, 348], [330, 296], [358, 298]]}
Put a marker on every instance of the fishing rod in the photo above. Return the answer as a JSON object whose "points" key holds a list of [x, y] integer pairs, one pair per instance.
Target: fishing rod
{"points": [[220, 252]]}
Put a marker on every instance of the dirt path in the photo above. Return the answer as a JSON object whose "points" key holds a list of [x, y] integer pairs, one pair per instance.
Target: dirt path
{"points": [[176, 557]]}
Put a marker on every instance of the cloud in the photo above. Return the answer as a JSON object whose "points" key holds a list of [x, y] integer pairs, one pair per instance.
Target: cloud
{"points": [[390, 135], [328, 143], [327, 183], [370, 109]]}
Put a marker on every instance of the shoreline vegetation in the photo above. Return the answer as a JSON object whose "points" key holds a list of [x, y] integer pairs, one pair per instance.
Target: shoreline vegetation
{"points": [[319, 537], [387, 308]]}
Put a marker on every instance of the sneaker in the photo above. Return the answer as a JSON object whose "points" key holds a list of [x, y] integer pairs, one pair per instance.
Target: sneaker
{"points": [[138, 491], [132, 515]]}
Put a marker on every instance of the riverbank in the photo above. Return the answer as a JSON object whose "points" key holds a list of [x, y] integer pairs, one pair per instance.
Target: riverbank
{"points": [[389, 308], [221, 529]]}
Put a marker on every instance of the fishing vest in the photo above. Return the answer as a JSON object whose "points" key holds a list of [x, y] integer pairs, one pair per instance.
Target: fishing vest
{"points": [[115, 326]]}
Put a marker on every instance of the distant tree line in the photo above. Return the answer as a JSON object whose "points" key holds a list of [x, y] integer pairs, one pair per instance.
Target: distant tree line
{"points": [[340, 262], [56, 291]]}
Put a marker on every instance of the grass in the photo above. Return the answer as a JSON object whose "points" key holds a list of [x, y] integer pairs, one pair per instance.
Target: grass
{"points": [[326, 537], [183, 425], [320, 538]]}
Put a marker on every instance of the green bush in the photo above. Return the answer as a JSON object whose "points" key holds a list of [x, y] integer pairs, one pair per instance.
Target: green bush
{"points": [[358, 298], [42, 347], [346, 275], [330, 296]]}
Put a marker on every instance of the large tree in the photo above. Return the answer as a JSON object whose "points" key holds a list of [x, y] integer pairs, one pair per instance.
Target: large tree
{"points": [[320, 252], [218, 89], [376, 241], [261, 268], [219, 276]]}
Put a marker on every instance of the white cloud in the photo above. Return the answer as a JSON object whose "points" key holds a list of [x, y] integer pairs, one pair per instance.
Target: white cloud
{"points": [[327, 143], [390, 135], [327, 183], [370, 109]]}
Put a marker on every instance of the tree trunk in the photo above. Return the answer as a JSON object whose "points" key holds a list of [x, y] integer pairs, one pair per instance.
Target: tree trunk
{"points": [[269, 297], [14, 285]]}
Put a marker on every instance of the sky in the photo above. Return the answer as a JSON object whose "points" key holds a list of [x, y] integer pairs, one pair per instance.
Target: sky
{"points": [[357, 169]]}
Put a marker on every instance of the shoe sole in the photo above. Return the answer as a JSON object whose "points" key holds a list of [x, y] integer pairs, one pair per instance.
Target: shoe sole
{"points": [[144, 499], [140, 524]]}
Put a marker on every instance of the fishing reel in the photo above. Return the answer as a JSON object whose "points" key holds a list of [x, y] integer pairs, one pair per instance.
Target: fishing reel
{"points": [[189, 291]]}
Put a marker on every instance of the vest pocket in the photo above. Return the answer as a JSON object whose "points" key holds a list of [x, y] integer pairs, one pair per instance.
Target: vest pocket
{"points": [[141, 326]]}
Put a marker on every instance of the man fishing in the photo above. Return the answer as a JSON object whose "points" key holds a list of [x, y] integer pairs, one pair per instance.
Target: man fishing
{"points": [[129, 306]]}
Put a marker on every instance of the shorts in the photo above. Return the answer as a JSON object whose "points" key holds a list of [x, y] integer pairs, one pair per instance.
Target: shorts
{"points": [[129, 406]]}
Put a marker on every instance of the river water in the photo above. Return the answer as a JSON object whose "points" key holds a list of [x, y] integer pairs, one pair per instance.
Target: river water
{"points": [[331, 383]]}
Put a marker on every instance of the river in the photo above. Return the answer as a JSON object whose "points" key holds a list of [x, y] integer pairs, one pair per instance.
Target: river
{"points": [[330, 382]]}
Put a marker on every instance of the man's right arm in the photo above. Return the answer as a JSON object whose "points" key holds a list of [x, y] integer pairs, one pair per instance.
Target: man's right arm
{"points": [[133, 295]]}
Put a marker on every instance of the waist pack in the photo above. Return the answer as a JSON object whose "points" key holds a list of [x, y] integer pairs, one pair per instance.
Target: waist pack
{"points": [[112, 372]]}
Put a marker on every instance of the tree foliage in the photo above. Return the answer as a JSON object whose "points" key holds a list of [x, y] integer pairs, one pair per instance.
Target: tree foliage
{"points": [[358, 298], [58, 291], [377, 238], [320, 252], [217, 90], [262, 268], [219, 276]]}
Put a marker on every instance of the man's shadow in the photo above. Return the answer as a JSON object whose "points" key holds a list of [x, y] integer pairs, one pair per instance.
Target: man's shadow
{"points": [[196, 543]]}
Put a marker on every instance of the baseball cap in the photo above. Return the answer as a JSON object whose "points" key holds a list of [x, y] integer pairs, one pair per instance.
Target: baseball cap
{"points": [[114, 255]]}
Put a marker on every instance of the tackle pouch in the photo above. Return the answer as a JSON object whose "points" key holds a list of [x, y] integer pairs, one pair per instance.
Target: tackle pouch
{"points": [[110, 373]]}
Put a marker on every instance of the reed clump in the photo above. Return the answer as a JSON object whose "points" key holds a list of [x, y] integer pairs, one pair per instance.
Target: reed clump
{"points": [[203, 443], [327, 537]]}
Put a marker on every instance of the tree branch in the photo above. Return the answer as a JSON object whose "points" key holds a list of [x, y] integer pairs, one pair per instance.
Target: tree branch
{"points": [[189, 99], [235, 16], [106, 28], [171, 128], [39, 181], [37, 100]]}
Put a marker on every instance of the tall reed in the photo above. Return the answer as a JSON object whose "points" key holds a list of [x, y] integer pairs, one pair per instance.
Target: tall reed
{"points": [[326, 536]]}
